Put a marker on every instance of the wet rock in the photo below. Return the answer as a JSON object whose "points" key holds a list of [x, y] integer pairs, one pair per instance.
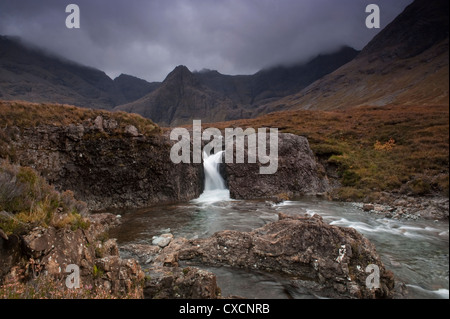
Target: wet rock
{"points": [[162, 241], [334, 258], [145, 254], [298, 173], [180, 283], [412, 208]]}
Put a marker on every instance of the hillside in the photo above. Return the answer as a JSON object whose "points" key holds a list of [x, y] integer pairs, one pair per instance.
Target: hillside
{"points": [[405, 64], [30, 74]]}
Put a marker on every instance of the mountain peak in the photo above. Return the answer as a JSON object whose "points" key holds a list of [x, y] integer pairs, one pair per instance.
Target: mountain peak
{"points": [[182, 69], [181, 75], [420, 26]]}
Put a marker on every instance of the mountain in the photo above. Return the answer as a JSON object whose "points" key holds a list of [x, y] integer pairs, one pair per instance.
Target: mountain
{"points": [[181, 98], [133, 88], [275, 82], [30, 74], [405, 64], [212, 96]]}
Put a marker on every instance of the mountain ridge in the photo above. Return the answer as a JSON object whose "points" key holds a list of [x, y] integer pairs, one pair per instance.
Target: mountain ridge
{"points": [[31, 74], [401, 66], [212, 96]]}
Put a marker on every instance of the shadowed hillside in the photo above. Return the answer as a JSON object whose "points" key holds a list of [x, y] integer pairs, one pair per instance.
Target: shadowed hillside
{"points": [[405, 64]]}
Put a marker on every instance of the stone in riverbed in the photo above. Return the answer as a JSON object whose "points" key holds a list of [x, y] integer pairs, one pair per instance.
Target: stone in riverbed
{"points": [[162, 241], [368, 207]]}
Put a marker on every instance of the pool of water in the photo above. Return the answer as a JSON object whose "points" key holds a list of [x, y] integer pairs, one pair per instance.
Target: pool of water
{"points": [[417, 252]]}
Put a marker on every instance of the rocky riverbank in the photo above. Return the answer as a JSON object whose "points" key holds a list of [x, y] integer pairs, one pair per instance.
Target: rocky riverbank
{"points": [[34, 264], [329, 260], [409, 208]]}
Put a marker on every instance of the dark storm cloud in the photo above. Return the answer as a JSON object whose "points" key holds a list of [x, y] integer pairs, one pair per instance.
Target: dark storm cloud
{"points": [[149, 38]]}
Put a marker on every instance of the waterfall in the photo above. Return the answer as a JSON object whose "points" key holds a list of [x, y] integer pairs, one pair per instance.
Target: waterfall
{"points": [[215, 189], [211, 165]]}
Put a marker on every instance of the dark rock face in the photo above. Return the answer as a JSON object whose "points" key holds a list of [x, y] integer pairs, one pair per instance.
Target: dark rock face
{"points": [[104, 168], [180, 283], [298, 173], [332, 258], [48, 251], [420, 26], [133, 88]]}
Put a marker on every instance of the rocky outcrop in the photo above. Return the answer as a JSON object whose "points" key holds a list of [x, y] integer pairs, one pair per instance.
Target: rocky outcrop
{"points": [[165, 279], [47, 252], [298, 173], [180, 283], [106, 166], [329, 259]]}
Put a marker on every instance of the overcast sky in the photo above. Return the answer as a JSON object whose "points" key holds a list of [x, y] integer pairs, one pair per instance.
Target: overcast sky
{"points": [[150, 38]]}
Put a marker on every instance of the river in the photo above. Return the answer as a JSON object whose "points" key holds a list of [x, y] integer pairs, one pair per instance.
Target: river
{"points": [[417, 252]]}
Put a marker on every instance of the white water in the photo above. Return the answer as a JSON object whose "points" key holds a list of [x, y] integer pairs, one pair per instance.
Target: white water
{"points": [[215, 190]]}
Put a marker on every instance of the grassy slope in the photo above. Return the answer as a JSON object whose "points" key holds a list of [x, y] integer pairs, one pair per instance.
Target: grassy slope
{"points": [[356, 140]]}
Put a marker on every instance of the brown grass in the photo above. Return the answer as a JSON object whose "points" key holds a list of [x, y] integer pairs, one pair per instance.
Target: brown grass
{"points": [[30, 201], [25, 114], [393, 148]]}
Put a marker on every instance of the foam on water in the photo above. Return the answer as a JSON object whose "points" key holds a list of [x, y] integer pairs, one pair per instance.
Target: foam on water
{"points": [[215, 190]]}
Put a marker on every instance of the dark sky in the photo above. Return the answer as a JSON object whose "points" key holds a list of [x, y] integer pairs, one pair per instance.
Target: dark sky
{"points": [[150, 38]]}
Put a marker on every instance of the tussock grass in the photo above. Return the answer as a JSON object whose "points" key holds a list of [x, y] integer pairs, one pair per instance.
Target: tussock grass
{"points": [[27, 200]]}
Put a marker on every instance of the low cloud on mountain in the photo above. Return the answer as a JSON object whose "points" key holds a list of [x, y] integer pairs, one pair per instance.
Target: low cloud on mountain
{"points": [[149, 38]]}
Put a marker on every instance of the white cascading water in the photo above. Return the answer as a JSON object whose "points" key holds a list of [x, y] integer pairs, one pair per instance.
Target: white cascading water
{"points": [[215, 189]]}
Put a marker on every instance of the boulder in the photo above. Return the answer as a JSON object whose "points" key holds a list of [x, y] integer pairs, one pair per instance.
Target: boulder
{"points": [[131, 130], [162, 241], [333, 258], [299, 173]]}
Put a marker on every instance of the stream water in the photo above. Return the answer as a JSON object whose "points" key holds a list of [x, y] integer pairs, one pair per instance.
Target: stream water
{"points": [[417, 252]]}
